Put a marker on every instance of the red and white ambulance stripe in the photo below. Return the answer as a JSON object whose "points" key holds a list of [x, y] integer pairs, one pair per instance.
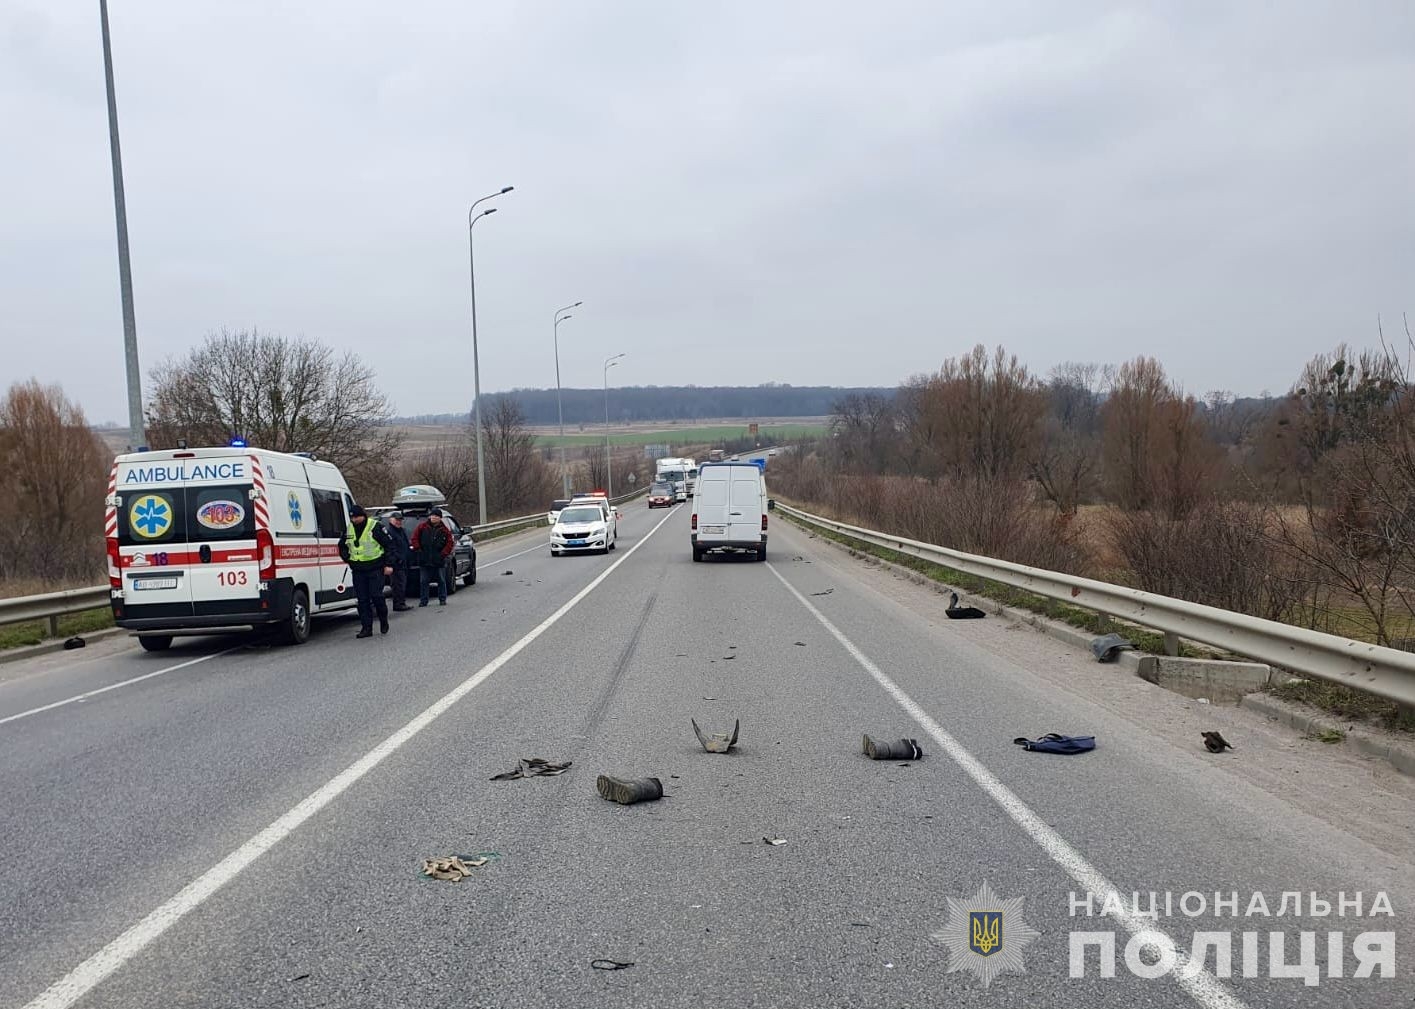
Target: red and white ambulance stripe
{"points": [[110, 515], [262, 511]]}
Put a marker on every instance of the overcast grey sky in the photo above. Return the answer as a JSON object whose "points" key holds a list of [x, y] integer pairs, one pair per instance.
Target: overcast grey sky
{"points": [[814, 193]]}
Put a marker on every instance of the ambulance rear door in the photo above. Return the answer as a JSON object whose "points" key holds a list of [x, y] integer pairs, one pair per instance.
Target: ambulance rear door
{"points": [[151, 509]]}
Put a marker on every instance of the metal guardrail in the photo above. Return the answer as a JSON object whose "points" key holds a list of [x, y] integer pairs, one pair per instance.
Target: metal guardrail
{"points": [[492, 527], [53, 605], [1375, 669]]}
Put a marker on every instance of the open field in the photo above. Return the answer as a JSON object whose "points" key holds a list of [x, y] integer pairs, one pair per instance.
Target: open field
{"points": [[423, 436]]}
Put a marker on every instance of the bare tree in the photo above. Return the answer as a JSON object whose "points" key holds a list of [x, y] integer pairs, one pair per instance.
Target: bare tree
{"points": [[862, 428], [56, 473], [1067, 454], [986, 410], [451, 467], [518, 479], [283, 394]]}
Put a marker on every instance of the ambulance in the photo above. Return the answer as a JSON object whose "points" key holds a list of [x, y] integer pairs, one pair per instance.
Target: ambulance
{"points": [[210, 540]]}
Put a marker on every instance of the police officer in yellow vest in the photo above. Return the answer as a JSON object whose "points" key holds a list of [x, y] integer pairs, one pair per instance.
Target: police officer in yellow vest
{"points": [[363, 549]]}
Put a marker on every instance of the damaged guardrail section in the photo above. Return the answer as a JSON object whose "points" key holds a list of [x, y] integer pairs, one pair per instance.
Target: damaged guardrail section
{"points": [[1375, 669]]}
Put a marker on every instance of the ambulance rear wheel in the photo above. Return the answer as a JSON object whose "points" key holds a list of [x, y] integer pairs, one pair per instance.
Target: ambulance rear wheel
{"points": [[155, 642], [295, 630]]}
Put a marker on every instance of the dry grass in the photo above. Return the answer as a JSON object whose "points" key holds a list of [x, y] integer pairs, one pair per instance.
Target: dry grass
{"points": [[13, 587]]}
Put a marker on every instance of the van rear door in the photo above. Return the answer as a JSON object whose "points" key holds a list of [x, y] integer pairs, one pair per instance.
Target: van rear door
{"points": [[221, 539], [152, 545], [711, 506], [745, 505]]}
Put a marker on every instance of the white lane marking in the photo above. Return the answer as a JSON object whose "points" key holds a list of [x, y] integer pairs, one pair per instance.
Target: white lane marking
{"points": [[498, 560], [114, 686], [89, 974], [1204, 988]]}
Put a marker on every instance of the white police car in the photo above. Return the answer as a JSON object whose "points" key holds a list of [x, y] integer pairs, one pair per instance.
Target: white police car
{"points": [[584, 527]]}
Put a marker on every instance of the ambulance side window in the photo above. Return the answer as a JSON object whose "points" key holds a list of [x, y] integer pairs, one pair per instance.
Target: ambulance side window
{"points": [[329, 513]]}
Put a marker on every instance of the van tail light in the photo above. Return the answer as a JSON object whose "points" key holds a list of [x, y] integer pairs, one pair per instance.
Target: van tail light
{"points": [[115, 574], [763, 523], [265, 551], [695, 521]]}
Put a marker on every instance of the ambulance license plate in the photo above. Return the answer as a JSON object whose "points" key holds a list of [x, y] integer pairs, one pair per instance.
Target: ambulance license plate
{"points": [[718, 530], [140, 584]]}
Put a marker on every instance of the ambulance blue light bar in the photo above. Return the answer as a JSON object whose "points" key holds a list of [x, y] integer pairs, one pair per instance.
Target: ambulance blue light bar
{"points": [[238, 443]]}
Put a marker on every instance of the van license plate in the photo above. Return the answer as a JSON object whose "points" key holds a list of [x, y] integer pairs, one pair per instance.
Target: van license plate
{"points": [[154, 583], [719, 530]]}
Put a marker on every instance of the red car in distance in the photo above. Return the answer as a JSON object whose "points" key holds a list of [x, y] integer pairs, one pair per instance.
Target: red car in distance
{"points": [[661, 495]]}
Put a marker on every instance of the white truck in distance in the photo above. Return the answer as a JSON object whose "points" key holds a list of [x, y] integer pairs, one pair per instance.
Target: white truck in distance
{"points": [[675, 471]]}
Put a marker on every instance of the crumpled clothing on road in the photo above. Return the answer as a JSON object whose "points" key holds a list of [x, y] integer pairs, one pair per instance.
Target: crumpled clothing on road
{"points": [[1215, 743], [1054, 742], [533, 767], [453, 869]]}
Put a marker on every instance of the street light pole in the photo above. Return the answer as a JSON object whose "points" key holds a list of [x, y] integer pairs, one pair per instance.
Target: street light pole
{"points": [[559, 404], [136, 429], [609, 362], [476, 362]]}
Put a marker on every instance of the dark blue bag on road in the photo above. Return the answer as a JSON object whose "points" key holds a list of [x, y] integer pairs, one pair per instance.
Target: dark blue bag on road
{"points": [[1054, 743]]}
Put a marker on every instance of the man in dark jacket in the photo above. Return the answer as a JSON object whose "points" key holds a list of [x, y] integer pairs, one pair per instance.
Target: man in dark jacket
{"points": [[398, 550], [365, 548], [432, 545]]}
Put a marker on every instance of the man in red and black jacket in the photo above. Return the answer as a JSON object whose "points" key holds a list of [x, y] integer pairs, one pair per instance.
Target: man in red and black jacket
{"points": [[432, 545]]}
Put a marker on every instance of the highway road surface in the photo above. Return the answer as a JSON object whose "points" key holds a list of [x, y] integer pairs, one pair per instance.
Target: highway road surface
{"points": [[239, 824]]}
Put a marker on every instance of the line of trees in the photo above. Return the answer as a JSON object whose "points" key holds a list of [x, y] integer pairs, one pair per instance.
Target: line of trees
{"points": [[676, 403], [1300, 508]]}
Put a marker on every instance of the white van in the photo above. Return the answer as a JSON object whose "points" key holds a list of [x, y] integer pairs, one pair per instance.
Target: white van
{"points": [[217, 539], [729, 509]]}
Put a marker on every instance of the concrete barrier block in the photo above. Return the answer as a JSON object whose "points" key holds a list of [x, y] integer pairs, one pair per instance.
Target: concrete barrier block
{"points": [[1221, 681]]}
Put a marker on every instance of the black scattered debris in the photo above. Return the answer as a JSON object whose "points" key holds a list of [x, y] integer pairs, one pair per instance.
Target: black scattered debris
{"points": [[298, 977], [956, 612], [604, 964], [717, 742], [774, 841], [1215, 743], [859, 924], [728, 658], [1107, 647], [825, 593], [800, 644], [627, 791], [798, 557], [507, 572], [1054, 742], [903, 749], [76, 642], [680, 655], [533, 767]]}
